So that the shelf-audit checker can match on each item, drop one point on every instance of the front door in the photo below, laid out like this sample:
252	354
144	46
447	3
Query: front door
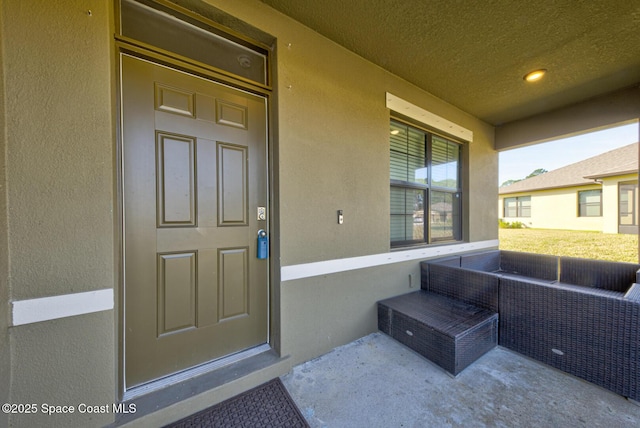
628	207
195	177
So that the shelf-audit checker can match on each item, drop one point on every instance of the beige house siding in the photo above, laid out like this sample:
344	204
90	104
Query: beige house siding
558	208
610	211
555	209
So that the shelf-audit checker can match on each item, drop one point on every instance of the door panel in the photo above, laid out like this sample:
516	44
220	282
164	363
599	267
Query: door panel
176	292
194	166
175	175
232	185
232	283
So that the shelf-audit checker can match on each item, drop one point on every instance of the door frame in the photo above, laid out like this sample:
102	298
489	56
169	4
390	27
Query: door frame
161	57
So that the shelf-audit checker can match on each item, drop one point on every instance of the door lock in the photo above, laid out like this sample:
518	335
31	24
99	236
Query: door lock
262	213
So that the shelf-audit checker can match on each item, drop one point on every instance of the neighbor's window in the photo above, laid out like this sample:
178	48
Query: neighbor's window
590	203
425	187
517	207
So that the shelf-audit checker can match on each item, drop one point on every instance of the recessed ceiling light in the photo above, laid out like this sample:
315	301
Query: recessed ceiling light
395	132
536	75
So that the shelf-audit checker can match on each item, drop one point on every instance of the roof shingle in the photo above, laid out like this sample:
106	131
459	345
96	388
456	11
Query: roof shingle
623	160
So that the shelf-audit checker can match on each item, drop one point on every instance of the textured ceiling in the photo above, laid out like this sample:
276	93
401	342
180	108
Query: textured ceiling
474	54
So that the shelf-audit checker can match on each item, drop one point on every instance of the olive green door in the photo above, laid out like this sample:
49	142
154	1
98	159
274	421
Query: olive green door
194	177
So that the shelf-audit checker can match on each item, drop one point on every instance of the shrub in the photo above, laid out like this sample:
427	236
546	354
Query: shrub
513	225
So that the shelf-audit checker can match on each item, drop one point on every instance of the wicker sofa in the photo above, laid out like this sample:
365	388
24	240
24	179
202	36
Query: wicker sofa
578	315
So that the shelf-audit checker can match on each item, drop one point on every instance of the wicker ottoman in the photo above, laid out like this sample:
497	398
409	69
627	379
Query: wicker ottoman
448	332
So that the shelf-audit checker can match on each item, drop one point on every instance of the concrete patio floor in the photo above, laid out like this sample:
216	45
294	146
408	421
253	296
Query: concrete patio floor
377	382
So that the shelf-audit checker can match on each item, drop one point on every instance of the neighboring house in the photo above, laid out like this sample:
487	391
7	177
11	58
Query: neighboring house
145	145
599	193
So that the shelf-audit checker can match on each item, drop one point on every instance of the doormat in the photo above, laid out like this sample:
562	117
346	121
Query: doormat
268	405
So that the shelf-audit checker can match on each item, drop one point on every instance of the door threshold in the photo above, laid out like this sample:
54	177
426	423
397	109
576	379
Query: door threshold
164	392
193	372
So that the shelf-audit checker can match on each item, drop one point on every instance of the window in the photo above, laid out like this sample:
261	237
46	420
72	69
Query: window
425	187
160	25
517	207
590	203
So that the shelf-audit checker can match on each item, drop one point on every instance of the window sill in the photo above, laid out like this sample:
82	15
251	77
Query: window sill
421	245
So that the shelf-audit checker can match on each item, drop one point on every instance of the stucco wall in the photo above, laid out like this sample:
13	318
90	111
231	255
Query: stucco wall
58	139
323	312
5	354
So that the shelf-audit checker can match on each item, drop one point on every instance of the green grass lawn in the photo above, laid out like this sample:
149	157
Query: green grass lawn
592	245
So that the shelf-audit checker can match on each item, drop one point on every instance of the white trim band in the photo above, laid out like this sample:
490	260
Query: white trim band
408	109
66	305
306	270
